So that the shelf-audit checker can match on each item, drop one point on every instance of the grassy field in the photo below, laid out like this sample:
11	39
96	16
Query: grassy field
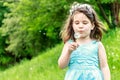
111	42
44	66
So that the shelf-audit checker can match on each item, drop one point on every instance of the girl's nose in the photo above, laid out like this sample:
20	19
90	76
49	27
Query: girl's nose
80	26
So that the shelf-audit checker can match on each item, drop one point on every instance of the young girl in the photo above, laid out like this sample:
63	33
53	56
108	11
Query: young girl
83	51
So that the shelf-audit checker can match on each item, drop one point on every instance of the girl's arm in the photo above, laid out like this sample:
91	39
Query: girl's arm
65	55
103	62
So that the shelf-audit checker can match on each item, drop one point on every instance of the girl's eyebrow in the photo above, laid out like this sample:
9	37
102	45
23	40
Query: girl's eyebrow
85	20
82	20
76	20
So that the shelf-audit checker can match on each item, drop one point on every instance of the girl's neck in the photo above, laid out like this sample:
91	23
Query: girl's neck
84	40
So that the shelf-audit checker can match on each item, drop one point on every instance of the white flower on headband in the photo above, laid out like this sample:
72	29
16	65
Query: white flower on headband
80	6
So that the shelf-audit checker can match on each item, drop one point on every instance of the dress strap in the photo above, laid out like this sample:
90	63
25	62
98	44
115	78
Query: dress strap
70	40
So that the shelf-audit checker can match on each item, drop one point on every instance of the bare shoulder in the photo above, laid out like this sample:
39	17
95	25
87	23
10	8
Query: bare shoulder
100	44
66	44
101	48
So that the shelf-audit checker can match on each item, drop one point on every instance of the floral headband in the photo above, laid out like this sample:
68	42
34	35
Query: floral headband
76	6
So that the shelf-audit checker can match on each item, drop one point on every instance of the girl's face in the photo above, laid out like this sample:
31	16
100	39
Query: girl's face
82	25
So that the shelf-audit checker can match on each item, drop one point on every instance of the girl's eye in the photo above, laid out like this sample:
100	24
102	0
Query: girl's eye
76	23
85	22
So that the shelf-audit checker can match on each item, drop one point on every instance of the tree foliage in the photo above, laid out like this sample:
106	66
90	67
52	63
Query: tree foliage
4	58
32	26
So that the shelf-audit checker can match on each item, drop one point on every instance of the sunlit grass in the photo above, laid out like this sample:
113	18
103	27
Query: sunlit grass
111	42
44	67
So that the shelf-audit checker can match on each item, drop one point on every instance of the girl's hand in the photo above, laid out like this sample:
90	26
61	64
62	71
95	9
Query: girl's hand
72	46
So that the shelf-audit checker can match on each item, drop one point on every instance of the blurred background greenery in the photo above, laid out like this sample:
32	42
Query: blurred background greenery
30	41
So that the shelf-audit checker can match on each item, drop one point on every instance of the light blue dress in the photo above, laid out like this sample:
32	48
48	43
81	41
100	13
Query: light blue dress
84	63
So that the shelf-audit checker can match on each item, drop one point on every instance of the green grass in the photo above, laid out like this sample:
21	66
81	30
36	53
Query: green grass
45	67
111	42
